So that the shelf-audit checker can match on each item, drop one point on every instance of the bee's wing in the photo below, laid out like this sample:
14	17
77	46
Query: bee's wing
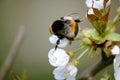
75	16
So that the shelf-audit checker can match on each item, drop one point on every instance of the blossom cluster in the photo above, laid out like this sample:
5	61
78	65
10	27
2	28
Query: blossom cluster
59	58
100	36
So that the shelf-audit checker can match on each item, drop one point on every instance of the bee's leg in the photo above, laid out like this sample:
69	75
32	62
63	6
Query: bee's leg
58	41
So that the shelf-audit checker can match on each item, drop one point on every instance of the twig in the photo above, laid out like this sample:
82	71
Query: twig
12	54
93	70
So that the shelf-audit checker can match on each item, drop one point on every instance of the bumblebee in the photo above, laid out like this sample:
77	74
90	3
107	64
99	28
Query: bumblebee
65	27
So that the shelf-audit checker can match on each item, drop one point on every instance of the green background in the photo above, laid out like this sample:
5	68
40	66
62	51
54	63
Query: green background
36	16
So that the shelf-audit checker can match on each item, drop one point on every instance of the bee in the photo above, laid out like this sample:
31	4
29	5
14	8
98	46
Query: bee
66	27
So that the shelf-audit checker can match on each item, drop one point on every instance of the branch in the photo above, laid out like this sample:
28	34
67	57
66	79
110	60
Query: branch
12	54
93	70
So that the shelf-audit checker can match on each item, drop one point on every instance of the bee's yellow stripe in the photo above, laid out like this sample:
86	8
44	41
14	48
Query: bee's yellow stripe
73	25
50	29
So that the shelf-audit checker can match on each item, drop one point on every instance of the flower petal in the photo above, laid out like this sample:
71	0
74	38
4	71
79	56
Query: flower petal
90	11
58	57
53	39
89	3
117	67
63	42
71	78
95	3
72	69
67	72
99	4
115	50
58	73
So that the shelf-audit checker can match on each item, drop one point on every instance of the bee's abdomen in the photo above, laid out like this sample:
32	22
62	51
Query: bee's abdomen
56	27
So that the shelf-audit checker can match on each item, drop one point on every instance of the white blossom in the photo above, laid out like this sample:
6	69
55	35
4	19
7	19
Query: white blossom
58	57
99	4
116	63
117	67
63	42
90	11
68	72
115	50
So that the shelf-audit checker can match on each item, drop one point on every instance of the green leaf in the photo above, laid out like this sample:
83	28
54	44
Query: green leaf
90	33
113	36
93	35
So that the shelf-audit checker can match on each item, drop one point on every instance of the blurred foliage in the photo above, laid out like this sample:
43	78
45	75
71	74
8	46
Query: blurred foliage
106	76
23	77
